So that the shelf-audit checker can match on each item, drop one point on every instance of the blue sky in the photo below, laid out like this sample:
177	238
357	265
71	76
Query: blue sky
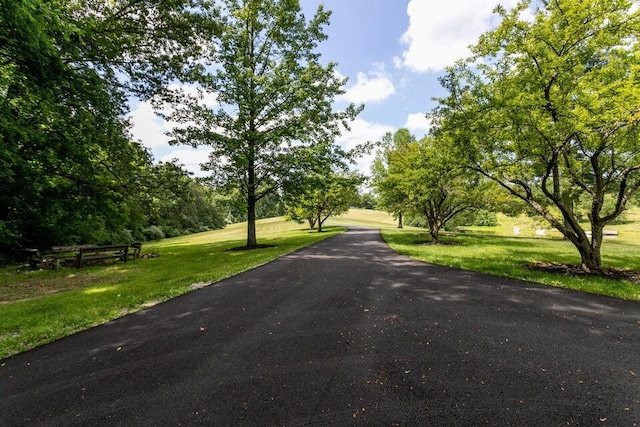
392	52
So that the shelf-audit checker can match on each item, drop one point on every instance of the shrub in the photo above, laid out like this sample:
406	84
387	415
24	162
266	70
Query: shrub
153	233
486	218
122	237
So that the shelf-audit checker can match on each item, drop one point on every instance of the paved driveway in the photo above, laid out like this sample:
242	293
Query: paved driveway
345	332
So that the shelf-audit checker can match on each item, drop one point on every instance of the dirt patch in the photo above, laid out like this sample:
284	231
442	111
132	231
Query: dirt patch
244	248
39	283
576	270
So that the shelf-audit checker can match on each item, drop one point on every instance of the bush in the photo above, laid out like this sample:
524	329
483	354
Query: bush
122	237
486	218
153	233
172	231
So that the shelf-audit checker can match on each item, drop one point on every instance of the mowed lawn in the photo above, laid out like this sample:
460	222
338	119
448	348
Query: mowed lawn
37	307
495	250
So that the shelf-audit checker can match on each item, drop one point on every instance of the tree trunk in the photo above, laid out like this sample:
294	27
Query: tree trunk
434	230
590	251
568	201
319	223
590	259
435	234
312	222
399	219
252	240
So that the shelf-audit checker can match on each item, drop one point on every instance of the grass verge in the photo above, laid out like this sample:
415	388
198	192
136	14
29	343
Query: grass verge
37	307
508	257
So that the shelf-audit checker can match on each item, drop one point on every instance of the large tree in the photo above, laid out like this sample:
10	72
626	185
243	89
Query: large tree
549	108
272	115
429	179
67	166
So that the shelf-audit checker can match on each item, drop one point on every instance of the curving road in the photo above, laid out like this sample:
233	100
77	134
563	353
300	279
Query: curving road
345	332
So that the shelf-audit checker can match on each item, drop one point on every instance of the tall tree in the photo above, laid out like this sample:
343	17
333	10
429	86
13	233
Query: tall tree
272	113
433	182
66	162
549	108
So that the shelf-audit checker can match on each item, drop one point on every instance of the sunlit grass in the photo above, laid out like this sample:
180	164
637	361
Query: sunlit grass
495	250
509	256
41	306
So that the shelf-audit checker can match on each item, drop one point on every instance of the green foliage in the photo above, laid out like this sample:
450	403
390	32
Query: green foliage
272	116
485	218
153	233
386	180
178	204
68	170
365	201
548	109
426	178
323	195
509	256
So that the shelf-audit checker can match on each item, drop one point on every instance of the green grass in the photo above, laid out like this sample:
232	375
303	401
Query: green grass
496	251
364	218
508	256
37	307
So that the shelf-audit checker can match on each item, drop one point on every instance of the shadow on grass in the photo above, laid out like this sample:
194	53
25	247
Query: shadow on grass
249	248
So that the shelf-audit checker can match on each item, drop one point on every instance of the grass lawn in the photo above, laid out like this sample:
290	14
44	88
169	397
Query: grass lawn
496	251
508	256
37	307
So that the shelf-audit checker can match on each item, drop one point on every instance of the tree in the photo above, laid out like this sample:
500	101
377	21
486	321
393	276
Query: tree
67	165
436	184
272	113
386	175
177	203
324	196
550	110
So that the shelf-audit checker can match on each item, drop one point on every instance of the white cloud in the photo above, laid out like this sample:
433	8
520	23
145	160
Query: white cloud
374	86
439	33
191	158
418	122
148	128
361	132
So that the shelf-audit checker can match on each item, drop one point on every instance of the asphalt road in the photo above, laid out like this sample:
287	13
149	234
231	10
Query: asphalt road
345	332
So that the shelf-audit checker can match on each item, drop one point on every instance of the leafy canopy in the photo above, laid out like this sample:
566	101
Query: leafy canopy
549	108
269	116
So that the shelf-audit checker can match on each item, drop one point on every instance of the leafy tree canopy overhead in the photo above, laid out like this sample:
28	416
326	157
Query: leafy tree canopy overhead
66	162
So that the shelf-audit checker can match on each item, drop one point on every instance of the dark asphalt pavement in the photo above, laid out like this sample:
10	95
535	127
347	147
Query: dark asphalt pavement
345	332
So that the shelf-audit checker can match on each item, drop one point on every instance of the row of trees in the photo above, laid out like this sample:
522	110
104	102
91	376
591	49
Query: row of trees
69	170
547	109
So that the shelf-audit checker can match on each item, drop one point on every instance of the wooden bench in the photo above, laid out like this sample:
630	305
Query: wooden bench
80	255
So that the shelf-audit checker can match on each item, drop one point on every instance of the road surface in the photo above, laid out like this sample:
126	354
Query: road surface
344	332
